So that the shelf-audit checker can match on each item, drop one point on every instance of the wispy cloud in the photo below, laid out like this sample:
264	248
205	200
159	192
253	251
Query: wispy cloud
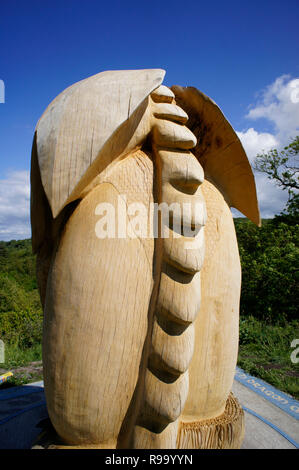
15	206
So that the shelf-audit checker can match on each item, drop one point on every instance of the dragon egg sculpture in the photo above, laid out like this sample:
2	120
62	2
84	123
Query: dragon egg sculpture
140	335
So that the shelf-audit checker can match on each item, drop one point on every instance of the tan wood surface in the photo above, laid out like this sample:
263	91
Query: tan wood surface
140	333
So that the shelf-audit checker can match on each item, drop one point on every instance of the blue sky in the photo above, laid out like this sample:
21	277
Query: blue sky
243	55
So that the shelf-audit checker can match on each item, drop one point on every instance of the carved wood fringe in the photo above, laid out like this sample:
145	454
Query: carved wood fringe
223	432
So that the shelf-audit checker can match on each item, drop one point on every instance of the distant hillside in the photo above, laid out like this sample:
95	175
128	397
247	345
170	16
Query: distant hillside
20	308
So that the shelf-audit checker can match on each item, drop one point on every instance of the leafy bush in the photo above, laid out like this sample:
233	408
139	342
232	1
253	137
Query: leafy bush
18	262
20	308
270	270
249	330
23	328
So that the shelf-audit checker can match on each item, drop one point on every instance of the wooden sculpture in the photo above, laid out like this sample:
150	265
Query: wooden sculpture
140	332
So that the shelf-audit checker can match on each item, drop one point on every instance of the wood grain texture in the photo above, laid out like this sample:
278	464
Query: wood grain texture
217	325
225	431
76	135
220	151
140	333
95	318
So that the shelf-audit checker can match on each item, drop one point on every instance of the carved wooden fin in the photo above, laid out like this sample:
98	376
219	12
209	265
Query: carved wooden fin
74	135
219	151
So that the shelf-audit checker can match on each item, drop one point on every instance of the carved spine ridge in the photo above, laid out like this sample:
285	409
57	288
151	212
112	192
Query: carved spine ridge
172	340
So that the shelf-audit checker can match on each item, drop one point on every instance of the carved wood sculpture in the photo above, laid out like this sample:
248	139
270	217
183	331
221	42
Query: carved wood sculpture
140	333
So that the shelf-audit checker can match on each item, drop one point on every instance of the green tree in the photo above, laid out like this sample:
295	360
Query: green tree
283	168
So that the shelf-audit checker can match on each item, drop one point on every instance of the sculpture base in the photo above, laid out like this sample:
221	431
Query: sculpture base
223	432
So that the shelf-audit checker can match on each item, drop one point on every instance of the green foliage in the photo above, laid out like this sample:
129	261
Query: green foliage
14	297
18	357
249	330
26	364
283	168
290	215
20	308
23	328
18	262
268	336
265	350
270	270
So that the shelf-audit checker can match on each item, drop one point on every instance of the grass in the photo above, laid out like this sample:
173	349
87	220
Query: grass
25	364
17	357
265	350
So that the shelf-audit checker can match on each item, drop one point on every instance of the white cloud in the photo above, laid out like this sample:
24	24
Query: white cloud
272	199
255	142
15	206
279	104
